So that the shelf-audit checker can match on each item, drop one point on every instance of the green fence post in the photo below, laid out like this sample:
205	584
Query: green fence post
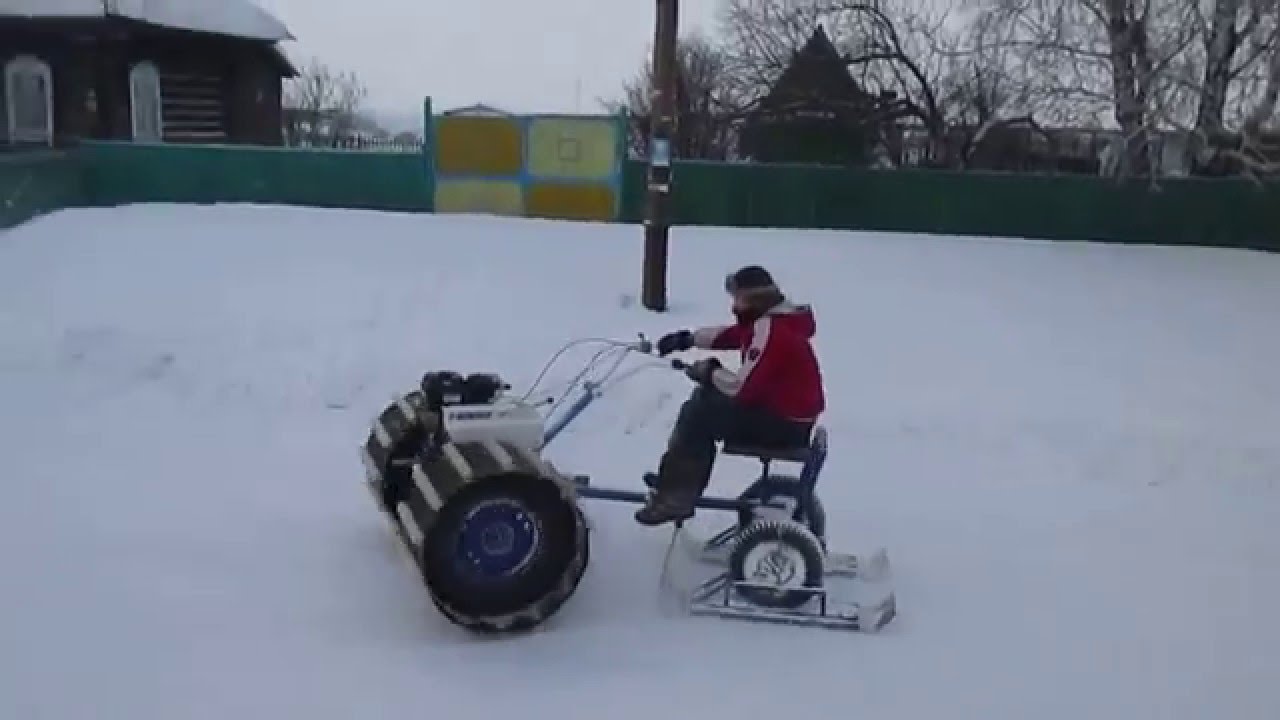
428	153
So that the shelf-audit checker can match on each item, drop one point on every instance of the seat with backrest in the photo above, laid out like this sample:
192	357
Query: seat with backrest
788	447
812	455
766	453
768	488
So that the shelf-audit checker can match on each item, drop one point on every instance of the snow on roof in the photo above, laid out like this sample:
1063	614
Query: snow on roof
241	18
51	8
289	53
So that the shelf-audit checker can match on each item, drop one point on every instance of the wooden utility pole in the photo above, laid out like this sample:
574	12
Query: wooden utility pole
662	124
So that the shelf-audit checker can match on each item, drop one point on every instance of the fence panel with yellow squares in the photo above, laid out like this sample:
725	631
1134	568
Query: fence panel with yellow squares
550	166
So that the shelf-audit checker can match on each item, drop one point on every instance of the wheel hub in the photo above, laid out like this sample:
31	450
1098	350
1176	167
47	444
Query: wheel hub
777	564
775	567
497	539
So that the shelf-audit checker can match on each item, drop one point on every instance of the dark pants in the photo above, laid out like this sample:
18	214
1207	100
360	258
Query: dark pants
709	415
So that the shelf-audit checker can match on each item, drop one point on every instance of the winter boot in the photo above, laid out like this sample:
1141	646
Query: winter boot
679	483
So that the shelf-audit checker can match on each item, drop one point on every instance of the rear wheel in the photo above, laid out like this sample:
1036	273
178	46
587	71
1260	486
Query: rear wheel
781	554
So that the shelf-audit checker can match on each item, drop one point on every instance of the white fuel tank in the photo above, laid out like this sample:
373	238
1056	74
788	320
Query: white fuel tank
514	423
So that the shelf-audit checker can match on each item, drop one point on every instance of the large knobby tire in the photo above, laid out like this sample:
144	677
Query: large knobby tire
505	553
781	553
494	529
398	434
817	521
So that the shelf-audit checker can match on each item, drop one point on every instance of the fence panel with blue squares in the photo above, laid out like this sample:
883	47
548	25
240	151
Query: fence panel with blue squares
551	166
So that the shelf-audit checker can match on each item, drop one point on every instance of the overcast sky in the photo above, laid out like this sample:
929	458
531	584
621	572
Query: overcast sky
519	55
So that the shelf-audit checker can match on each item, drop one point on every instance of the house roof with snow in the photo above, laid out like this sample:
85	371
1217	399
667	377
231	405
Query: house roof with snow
237	18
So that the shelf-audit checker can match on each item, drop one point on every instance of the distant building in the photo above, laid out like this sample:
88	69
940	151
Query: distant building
477	110
184	71
817	113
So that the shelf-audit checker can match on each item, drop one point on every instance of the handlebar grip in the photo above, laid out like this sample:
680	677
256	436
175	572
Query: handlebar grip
679	364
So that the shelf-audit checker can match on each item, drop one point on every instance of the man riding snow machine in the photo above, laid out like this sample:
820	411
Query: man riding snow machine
495	529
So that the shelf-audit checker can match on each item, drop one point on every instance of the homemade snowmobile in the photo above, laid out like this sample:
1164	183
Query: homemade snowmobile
497	534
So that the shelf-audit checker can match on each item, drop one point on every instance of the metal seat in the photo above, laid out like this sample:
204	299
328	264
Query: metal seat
784	454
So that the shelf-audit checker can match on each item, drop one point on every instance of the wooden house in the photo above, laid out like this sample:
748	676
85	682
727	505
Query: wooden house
816	112
184	71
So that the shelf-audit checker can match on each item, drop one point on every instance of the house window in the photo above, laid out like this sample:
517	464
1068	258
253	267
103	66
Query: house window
144	99
28	86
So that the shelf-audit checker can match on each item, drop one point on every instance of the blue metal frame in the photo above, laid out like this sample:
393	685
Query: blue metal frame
590	391
762	488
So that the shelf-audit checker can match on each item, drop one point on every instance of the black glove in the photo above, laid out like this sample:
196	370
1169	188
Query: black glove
674	342
700	371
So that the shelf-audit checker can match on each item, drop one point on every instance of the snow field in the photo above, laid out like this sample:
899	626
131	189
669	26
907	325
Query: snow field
1069	451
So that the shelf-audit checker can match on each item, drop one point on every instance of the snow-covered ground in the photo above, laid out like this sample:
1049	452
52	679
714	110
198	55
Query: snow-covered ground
1069	450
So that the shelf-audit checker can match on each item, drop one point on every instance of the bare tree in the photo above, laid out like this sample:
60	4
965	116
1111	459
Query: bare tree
986	88
322	106
1151	70
707	103
760	36
1232	42
1117	57
928	64
890	50
905	54
1257	88
1215	81
1265	88
1222	35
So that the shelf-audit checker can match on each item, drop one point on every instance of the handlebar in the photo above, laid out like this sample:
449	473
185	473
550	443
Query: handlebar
645	346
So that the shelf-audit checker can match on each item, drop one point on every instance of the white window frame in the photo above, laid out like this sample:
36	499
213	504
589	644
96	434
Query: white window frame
28	65
147	68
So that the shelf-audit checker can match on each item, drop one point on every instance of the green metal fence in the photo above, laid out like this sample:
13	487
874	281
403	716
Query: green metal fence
126	173
1234	213
38	182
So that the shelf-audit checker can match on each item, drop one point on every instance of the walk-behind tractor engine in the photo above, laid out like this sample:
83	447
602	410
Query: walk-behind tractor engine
497	535
494	529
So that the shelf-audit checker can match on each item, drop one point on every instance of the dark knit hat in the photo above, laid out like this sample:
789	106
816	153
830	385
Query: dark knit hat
751	279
